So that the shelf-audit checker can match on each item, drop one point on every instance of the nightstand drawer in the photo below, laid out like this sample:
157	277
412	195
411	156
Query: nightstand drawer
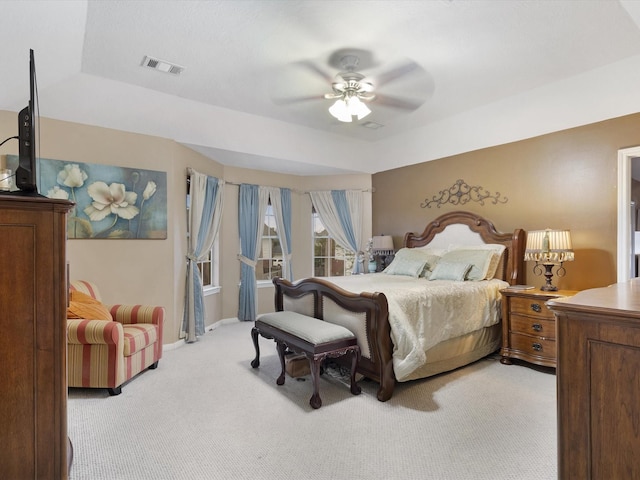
533	345
533	326
531	306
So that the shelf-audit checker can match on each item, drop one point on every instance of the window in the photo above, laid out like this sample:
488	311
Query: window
205	270
270	259
329	258
209	268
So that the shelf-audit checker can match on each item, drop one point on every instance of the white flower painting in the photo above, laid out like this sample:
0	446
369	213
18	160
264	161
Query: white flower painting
111	202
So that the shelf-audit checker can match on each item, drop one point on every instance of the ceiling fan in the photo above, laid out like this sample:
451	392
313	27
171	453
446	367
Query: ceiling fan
352	91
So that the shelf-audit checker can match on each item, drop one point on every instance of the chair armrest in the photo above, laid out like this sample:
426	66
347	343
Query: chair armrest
128	314
90	332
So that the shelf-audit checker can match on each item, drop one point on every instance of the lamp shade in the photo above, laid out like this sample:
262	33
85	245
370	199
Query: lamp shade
549	246
382	243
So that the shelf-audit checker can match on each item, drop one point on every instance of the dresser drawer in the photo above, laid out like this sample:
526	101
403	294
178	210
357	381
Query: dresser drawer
542	327
531	306
533	345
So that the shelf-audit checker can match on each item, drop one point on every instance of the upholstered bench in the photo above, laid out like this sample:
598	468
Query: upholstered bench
315	338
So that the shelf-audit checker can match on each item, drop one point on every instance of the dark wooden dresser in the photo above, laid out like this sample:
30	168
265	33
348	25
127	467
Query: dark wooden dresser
598	375
33	368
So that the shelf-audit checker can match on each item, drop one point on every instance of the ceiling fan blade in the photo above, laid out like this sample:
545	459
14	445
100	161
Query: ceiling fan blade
312	67
397	102
395	73
301	99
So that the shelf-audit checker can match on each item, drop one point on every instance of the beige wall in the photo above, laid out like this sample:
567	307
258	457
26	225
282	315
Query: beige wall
566	180
152	271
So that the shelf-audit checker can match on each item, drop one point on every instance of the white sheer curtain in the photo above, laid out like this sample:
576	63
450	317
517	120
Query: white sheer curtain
355	202
203	223
341	213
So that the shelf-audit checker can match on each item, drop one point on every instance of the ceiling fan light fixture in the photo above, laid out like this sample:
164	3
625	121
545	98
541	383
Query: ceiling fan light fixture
340	111
357	107
347	107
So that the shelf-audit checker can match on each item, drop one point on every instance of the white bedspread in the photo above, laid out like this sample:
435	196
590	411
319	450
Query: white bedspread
423	313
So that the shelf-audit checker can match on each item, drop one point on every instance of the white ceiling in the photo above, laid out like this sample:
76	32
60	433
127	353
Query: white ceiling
479	72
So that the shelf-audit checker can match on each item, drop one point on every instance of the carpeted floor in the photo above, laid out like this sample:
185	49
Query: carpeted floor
206	414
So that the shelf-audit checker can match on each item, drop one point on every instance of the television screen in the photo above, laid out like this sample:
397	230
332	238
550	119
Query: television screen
27	139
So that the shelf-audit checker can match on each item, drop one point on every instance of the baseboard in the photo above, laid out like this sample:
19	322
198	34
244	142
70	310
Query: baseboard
207	329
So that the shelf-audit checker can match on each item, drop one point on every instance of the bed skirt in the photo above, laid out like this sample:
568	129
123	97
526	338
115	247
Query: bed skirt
459	351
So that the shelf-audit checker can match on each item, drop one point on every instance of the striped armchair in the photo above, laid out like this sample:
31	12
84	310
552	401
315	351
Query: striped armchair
105	354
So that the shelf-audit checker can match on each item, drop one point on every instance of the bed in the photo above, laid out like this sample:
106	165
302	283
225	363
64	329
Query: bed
414	322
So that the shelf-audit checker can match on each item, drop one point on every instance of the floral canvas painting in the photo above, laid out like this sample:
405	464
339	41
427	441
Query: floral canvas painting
111	202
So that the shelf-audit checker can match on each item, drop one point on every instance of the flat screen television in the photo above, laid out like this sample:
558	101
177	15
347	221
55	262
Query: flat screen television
28	119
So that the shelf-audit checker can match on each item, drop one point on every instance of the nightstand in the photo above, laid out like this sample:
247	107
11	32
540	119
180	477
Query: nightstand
528	326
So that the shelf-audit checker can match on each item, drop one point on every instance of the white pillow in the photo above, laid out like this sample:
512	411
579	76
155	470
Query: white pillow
406	263
412	262
432	250
498	250
479	259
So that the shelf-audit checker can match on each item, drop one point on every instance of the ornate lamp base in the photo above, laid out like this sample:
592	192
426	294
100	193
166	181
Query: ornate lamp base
548	274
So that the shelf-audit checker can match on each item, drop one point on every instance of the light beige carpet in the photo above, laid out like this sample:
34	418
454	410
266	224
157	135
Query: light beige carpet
206	414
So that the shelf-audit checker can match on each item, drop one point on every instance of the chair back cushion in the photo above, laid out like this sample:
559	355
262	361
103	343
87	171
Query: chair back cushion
87	287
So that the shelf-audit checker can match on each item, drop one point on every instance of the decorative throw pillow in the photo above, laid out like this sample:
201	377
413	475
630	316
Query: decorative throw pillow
479	260
496	259
450	271
432	261
86	307
410	261
78	296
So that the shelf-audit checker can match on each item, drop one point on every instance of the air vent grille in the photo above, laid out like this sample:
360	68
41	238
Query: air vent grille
162	65
372	125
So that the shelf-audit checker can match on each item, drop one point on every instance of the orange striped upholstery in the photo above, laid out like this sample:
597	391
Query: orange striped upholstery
105	354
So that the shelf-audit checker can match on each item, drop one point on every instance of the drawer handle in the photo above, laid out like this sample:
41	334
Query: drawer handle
537	327
537	347
536	307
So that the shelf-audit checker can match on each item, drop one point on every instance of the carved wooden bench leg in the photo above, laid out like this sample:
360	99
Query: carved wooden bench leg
281	347
355	358
255	363
314	363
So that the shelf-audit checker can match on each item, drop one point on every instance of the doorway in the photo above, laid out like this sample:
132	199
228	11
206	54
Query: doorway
626	214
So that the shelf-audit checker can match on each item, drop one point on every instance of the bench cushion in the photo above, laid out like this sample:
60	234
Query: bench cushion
311	329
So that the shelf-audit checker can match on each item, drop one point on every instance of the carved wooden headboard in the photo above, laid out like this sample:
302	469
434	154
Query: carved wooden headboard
470	229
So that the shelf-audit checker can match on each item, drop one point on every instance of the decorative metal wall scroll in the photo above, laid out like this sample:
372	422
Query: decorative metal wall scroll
460	193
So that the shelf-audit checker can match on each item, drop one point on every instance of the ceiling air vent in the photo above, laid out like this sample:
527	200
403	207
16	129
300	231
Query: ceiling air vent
162	65
372	125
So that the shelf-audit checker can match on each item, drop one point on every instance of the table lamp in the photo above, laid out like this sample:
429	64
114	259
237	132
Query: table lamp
549	248
383	251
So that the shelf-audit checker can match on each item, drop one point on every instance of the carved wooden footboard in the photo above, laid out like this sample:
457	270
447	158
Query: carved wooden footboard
364	313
